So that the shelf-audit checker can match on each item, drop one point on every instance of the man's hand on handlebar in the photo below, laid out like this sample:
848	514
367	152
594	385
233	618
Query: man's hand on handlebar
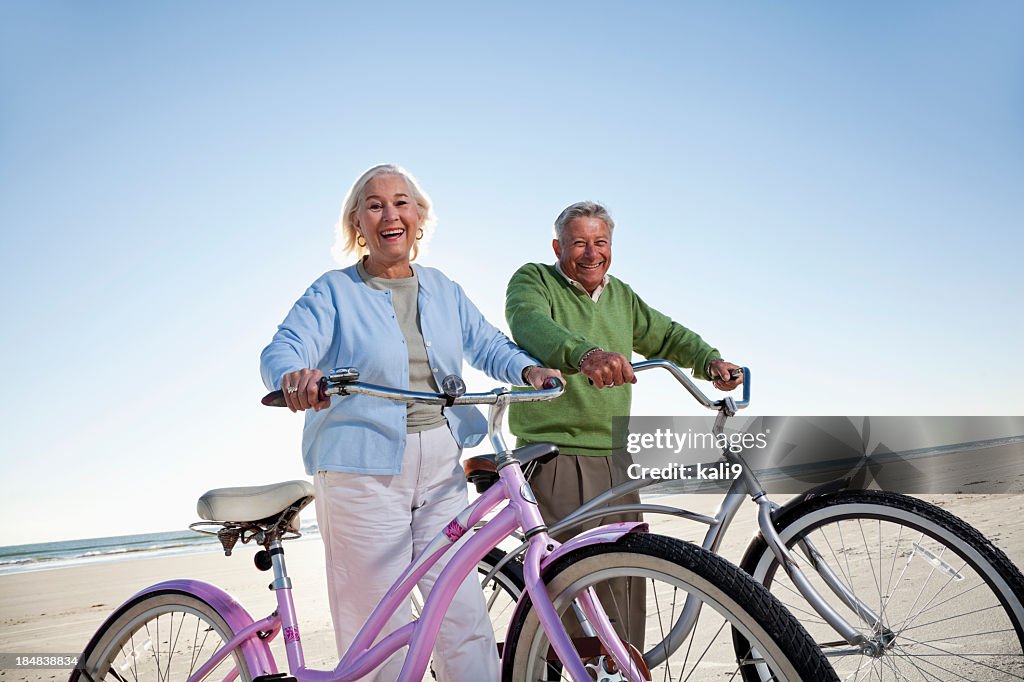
606	369
724	375
302	390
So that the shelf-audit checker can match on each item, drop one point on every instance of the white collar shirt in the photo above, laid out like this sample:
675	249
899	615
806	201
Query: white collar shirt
597	292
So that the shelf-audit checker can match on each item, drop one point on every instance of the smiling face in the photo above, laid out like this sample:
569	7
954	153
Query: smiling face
388	219
585	251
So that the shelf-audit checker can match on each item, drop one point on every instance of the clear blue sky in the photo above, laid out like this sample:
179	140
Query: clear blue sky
831	194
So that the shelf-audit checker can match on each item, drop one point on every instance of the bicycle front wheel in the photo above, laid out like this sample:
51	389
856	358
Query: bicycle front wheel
661	573
942	602
160	637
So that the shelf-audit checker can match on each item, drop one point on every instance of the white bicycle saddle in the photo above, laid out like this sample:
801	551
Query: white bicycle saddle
252	503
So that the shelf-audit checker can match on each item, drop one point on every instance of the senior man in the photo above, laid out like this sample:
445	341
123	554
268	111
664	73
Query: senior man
574	317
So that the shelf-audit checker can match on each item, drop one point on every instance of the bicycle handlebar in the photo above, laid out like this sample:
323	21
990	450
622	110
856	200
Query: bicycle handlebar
688	384
341	382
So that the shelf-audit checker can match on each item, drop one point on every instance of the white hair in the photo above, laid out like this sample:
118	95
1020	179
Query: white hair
346	240
582	209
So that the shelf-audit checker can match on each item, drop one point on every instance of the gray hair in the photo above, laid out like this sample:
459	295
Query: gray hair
346	241
582	209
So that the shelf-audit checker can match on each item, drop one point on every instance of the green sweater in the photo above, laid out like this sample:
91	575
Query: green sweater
557	323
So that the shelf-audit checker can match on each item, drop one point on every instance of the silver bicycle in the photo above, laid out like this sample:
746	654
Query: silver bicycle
891	587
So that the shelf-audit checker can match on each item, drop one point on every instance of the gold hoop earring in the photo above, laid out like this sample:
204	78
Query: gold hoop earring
420	235
361	241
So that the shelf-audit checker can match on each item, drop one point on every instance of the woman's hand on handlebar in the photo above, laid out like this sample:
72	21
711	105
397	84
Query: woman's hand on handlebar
538	376
724	375
302	390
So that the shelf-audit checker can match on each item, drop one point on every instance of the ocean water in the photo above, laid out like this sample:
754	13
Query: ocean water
47	555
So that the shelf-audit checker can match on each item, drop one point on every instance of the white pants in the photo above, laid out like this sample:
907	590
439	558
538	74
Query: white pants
373	526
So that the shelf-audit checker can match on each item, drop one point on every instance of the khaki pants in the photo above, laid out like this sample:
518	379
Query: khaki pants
566	482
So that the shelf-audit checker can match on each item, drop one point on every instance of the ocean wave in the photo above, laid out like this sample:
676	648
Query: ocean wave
19	558
147	548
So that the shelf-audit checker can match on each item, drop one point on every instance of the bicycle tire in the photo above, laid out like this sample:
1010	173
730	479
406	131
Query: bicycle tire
159	637
949	600
670	570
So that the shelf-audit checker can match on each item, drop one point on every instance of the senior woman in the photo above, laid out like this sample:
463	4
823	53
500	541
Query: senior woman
386	474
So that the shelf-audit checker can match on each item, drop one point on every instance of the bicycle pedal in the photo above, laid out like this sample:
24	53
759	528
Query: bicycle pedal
276	677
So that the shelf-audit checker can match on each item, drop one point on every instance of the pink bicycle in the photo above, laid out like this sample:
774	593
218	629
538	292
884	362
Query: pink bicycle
187	630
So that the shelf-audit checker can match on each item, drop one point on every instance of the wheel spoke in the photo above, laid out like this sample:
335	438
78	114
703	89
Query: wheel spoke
163	637
946	599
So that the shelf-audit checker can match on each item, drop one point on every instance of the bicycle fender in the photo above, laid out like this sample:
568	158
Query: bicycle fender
607	533
256	651
826	488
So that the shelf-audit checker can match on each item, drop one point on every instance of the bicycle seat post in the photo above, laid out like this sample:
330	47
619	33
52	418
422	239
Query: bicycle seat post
276	551
271	540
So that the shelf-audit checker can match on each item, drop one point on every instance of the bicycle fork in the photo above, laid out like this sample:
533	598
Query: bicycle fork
594	618
792	568
789	564
540	548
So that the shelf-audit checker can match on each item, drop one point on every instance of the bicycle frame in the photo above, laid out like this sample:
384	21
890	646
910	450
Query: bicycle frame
251	638
747	485
718	524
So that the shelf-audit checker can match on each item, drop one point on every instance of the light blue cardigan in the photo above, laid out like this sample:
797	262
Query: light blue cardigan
341	322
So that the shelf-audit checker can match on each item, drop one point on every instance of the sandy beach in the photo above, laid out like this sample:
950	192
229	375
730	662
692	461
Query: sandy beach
56	611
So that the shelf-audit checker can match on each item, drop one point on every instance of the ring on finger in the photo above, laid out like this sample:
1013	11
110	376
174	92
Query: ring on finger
293	389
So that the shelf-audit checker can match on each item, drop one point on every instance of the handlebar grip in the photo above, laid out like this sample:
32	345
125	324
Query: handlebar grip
551	382
276	398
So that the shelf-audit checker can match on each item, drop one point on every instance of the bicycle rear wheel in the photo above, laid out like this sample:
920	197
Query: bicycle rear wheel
663	572
948	601
160	637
